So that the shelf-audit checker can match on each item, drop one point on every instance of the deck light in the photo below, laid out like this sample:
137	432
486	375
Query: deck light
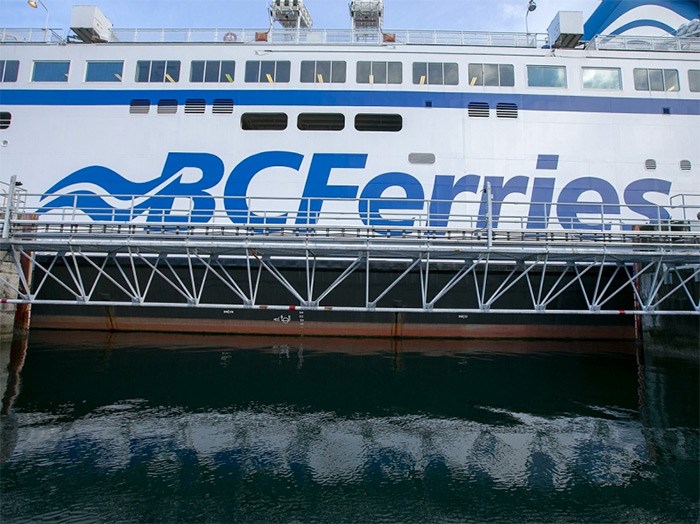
531	6
35	4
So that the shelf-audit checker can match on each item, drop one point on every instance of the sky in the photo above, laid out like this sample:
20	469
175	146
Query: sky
460	15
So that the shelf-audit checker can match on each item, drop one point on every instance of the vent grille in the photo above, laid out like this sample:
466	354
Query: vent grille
167	107
140	107
222	106
478	109
507	110
5	120
686	165
195	106
650	164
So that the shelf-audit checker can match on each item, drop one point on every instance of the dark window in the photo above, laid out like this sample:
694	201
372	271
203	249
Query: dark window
379	73
212	71
51	71
693	80
140	107
156	71
267	71
9	70
222	106
104	71
502	75
378	122
264	121
656	80
323	71
5	120
321	122
435	73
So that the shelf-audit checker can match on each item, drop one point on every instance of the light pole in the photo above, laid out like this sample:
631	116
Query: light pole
36	3
531	6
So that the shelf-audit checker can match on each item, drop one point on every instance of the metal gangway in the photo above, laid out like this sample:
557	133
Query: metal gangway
134	251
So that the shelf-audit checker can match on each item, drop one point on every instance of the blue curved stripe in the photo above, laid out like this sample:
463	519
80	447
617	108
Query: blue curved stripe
644	23
387	99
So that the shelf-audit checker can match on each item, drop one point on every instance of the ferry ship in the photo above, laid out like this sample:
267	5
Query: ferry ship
590	128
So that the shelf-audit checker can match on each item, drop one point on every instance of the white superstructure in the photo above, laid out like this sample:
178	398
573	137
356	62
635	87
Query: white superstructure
390	127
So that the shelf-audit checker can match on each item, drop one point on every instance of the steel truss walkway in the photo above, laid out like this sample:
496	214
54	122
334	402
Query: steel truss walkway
450	269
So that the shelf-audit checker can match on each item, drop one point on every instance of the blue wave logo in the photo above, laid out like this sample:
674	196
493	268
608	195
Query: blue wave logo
105	195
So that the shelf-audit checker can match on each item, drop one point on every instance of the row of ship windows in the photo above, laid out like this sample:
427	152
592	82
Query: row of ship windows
424	73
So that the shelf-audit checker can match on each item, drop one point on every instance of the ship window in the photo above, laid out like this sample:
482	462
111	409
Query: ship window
264	121
323	71
693	80
546	76
321	122
9	70
140	106
601	78
222	106
502	75
104	71
50	71
195	106
212	71
5	120
656	80
379	73
435	73
478	109
421	158
167	107
156	71
267	71
378	122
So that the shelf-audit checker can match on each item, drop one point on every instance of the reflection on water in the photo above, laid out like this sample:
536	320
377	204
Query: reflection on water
139	428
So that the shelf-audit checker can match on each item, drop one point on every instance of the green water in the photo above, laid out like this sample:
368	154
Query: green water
146	429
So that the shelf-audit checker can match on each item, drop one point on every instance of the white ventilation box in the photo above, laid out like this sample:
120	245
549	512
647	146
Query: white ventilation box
90	24
566	29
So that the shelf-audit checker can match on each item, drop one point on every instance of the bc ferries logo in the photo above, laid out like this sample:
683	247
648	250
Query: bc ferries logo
105	195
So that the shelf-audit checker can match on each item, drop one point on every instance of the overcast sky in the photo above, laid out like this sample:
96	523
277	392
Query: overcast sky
464	15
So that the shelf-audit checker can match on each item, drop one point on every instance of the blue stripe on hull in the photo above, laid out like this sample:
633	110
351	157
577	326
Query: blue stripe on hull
587	104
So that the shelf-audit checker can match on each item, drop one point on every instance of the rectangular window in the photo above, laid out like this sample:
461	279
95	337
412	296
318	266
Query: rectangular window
433	73
9	70
546	76
267	71
50	71
321	122
656	80
694	80
158	71
378	122
601	78
379	73
221	71
498	75
264	121
104	71
323	71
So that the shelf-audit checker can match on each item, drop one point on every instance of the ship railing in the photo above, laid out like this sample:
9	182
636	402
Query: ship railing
644	43
29	36
328	37
486	221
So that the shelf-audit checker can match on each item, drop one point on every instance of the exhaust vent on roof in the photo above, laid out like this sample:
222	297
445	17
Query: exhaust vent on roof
167	107
650	164
140	107
194	106
222	106
686	165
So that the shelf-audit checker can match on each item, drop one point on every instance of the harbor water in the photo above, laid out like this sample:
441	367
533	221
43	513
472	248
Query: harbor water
151	428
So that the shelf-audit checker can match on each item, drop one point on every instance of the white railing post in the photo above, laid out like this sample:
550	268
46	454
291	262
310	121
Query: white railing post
489	216
8	207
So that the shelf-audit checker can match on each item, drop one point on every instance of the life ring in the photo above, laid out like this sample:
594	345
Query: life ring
230	37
